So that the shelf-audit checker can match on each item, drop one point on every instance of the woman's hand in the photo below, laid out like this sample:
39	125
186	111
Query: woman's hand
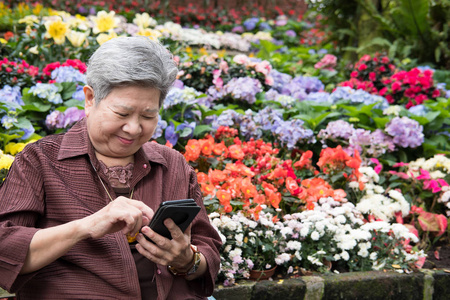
176	252
49	244
122	214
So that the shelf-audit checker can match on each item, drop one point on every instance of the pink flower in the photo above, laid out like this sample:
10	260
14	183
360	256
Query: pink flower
378	166
223	66
240	59
400	164
263	67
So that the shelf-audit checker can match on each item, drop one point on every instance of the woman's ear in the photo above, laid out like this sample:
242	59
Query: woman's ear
89	99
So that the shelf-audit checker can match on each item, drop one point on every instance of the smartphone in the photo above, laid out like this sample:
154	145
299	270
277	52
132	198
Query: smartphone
182	212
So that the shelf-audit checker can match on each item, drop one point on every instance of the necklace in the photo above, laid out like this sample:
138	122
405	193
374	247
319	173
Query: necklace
130	238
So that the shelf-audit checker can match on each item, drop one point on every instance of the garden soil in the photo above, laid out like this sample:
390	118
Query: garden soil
439	259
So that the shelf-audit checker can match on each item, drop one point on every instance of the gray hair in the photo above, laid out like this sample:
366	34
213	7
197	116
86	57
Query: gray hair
131	61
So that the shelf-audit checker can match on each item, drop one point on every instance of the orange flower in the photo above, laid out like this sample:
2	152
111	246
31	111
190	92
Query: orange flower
220	149
224	197
236	152
207	145
202	177
260	199
207	189
192	150
169	144
305	161
274	198
249	190
217	176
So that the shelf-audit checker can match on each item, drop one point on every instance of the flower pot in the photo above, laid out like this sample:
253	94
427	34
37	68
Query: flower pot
262	274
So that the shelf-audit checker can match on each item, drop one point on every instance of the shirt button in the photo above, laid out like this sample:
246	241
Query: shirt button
158	271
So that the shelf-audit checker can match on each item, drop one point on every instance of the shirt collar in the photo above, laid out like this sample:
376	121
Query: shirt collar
76	142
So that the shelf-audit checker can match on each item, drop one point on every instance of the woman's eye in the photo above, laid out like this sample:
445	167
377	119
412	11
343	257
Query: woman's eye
122	115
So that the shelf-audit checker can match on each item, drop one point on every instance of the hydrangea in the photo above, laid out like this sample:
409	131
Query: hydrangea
47	91
177	96
418	110
405	132
358	96
319	97
285	101
289	133
227	118
248	127
373	143
301	86
243	88
8	121
279	79
58	120
250	24
337	130
68	74
162	124
78	94
12	95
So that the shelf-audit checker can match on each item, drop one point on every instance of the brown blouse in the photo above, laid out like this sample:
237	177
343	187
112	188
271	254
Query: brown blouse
52	182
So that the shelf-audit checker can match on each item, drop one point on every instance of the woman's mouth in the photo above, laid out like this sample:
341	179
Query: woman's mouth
125	141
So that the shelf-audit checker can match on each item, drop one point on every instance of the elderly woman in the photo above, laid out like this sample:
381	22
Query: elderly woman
72	203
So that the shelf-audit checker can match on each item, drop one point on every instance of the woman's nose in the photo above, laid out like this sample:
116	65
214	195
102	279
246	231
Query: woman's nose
132	126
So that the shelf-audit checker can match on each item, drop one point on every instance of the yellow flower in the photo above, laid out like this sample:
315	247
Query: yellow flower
3	41
103	37
104	21
222	53
152	34
203	51
76	38
14	148
144	20
57	30
5	161
28	30
29	20
37	9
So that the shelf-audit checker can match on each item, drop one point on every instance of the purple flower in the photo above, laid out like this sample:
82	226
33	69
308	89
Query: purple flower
226	118
405	132
263	26
279	79
250	24
170	134
162	124
290	33
319	97
337	130
238	29
418	110
178	84
186	130
243	88
73	115
78	94
54	120
301	86
68	74
27	132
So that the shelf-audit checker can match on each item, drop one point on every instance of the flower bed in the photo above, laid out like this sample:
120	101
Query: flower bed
304	163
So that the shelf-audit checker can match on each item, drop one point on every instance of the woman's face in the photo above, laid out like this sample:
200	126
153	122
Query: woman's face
122	122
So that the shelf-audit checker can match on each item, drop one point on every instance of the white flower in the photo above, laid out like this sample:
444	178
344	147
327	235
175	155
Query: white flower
345	256
239	239
373	256
282	258
293	245
315	236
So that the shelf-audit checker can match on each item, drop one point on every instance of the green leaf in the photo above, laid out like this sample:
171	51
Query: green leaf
74	103
201	129
37	106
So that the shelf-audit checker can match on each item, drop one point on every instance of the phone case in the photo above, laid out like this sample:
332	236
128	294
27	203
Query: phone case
182	212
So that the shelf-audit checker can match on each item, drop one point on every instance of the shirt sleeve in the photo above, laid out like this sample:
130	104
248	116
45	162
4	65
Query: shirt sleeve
206	238
21	199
